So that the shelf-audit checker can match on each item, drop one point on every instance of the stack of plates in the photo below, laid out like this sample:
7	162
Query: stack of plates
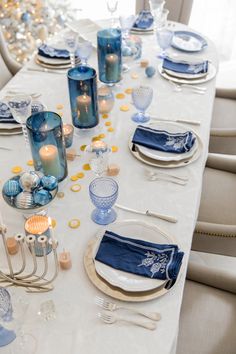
137	30
119	284
166	159
53	57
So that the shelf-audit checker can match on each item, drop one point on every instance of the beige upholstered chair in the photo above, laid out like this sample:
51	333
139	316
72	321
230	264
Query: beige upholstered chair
8	66
180	10
215	230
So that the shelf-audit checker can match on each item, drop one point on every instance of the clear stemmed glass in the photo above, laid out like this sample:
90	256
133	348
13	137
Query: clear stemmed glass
84	51
20	107
142	98
98	156
71	41
103	192
112	7
164	39
6	335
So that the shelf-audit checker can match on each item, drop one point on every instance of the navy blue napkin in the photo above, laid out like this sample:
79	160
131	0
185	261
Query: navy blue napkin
159	261
184	67
144	20
163	141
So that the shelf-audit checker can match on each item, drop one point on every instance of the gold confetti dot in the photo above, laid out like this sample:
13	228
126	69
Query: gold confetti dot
75	188
110	130
105	116
107	124
114	148
128	91
120	96
59	106
16	169
80	175
74	178
101	136
134	76
54	222
124	108
83	147
86	167
60	194
74	223
30	163
95	138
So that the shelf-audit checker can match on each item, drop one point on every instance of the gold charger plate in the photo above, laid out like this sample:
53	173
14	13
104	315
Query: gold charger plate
53	67
113	291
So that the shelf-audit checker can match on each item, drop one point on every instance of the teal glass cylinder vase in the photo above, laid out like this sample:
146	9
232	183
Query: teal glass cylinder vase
45	131
109	55
82	81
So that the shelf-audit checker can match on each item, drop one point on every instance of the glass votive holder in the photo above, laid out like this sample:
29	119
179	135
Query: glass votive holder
109	55
68	131
105	99
82	82
98	155
47	144
38	225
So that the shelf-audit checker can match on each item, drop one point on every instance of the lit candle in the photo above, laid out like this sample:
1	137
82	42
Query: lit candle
50	228
84	108
112	67
105	100
68	131
50	160
38	225
65	260
12	245
99	146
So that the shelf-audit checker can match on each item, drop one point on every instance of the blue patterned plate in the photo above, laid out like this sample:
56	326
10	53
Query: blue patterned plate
144	21
6	116
187	41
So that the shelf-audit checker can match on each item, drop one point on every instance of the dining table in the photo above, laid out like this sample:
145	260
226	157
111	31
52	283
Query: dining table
75	326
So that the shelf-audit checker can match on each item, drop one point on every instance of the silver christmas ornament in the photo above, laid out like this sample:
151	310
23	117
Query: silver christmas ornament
24	200
29	181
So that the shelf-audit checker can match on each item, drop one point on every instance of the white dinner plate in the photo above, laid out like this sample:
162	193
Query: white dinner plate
188	41
184	75
168	156
52	61
53	67
137	230
210	75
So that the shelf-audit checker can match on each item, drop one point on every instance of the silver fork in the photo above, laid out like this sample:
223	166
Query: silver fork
196	89
110	318
150	173
107	305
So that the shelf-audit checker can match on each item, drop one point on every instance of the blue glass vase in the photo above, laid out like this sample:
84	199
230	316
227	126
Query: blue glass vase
47	144
82	82
109	55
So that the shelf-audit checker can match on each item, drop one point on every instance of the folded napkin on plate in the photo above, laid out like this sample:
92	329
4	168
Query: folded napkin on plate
185	67
163	141
144	20
159	261
49	52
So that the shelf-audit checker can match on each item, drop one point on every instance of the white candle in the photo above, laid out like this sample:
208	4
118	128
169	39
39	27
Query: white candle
112	67
50	160
105	100
84	108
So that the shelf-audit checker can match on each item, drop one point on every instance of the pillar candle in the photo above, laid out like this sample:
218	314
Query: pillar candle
112	67
12	245
50	160
65	260
84	108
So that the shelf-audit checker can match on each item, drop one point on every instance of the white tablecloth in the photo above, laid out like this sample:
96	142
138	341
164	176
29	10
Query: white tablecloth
77	328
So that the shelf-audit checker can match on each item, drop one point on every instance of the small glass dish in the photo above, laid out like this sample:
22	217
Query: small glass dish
28	206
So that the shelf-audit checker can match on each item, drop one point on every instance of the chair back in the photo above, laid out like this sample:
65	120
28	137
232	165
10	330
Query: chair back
12	66
5	74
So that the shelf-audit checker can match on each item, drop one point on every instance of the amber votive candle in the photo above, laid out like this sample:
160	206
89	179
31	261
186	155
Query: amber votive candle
12	245
65	260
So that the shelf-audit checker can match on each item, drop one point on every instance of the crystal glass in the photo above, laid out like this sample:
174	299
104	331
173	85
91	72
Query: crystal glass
84	51
112	7
156	7
47	144
98	155
6	335
142	98
162	20
109	55
164	39
71	41
126	23
106	99
103	192
20	107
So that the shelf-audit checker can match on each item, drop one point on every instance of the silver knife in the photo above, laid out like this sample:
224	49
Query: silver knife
193	122
44	70
148	213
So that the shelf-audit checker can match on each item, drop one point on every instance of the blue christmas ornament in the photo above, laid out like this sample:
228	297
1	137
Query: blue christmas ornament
126	51
49	182
26	17
11	188
150	71
42	197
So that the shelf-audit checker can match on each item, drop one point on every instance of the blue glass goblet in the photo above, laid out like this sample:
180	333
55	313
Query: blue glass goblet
6	336
164	39
103	192
142	98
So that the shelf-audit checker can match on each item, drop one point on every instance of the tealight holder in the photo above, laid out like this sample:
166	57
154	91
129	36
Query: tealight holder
38	225
47	144
106	99
98	155
82	81
68	131
109	55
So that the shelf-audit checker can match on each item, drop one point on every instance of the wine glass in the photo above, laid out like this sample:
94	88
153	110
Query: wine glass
84	51
20	107
103	192
142	98
6	335
164	39
71	41
112	7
